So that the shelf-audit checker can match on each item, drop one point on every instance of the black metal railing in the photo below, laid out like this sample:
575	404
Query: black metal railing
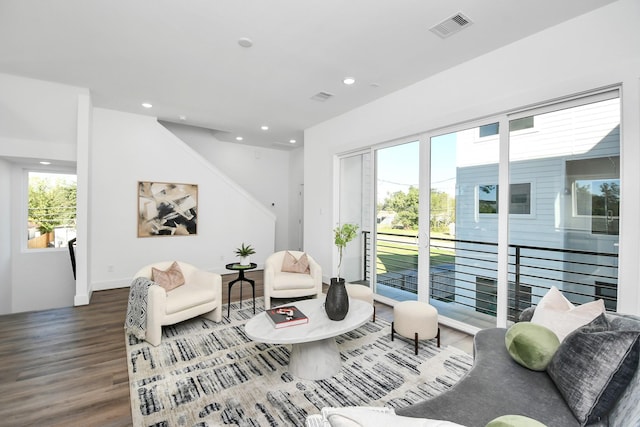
464	272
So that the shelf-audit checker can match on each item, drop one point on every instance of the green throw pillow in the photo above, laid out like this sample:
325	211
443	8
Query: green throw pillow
531	345
514	421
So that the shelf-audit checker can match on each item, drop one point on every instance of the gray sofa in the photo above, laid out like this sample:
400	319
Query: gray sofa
497	385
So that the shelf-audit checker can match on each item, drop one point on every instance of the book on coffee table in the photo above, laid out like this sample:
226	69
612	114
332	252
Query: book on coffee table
282	317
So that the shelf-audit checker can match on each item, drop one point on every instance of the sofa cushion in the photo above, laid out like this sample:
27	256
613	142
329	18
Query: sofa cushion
292	265
531	345
557	313
496	386
170	278
514	421
593	367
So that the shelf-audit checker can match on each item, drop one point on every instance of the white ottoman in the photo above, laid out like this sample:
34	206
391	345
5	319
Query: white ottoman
415	320
361	292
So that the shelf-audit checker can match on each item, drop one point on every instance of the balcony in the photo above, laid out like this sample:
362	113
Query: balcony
463	275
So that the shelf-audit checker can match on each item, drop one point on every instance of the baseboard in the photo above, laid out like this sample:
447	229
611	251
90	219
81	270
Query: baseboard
82	299
111	284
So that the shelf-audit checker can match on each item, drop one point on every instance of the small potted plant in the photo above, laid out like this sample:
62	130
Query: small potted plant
244	252
337	301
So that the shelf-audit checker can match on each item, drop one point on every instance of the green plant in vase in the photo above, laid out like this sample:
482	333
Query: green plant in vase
337	301
342	235
244	252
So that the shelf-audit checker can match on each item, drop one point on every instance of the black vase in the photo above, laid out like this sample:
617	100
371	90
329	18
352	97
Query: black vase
337	303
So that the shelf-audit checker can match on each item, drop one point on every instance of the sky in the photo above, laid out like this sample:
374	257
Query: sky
67	178
398	166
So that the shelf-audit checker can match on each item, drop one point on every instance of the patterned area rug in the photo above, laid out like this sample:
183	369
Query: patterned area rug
210	374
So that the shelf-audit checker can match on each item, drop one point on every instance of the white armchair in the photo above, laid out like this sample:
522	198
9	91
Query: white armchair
280	284
201	294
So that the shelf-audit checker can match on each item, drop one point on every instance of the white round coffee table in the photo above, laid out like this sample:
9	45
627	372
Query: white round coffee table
314	352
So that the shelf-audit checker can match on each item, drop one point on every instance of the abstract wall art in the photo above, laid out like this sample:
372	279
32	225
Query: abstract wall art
167	209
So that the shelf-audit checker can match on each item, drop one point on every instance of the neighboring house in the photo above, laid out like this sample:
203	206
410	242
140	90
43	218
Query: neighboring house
386	218
564	195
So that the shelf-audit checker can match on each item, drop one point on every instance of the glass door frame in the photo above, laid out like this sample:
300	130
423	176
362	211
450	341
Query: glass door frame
422	292
338	208
503	191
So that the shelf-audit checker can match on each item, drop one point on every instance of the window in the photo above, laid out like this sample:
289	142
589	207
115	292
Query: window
599	199
488	130
486	295
595	193
519	195
52	210
488	199
521	124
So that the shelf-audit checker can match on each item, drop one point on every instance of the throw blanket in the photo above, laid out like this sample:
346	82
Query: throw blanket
136	321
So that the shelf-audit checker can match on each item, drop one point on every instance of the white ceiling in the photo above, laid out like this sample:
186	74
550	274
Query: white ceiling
183	56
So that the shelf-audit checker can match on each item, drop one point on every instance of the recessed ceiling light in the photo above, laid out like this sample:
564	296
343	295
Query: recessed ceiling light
245	42
45	163
182	118
348	80
146	105
292	141
264	127
239	138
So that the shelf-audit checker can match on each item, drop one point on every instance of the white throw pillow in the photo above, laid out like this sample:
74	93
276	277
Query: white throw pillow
556	312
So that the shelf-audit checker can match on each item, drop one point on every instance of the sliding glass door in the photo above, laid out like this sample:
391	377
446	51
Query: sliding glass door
517	203
559	210
356	208
397	214
463	227
564	202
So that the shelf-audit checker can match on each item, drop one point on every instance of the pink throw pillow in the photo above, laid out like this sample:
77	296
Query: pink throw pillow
170	278
292	265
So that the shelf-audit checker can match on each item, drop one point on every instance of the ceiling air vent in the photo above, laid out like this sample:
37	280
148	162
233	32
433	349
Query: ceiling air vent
322	96
451	25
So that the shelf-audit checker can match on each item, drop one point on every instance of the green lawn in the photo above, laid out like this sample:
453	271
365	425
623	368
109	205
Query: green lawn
405	257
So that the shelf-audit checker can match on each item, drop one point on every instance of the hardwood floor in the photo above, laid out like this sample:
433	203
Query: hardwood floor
68	367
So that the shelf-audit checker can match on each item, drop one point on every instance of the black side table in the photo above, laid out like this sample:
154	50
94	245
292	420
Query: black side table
241	269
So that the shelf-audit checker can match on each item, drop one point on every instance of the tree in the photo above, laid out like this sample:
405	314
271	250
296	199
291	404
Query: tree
443	210
405	205
52	203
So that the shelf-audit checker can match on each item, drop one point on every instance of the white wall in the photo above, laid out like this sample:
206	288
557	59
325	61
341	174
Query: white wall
43	120
40	278
594	50
37	121
37	118
264	173
127	148
5	238
296	199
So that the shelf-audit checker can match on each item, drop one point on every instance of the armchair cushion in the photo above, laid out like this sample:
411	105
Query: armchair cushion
284	284
185	297
170	278
293	281
292	265
201	294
